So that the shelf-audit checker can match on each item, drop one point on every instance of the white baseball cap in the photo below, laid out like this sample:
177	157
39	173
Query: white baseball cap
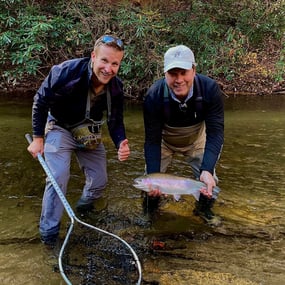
179	57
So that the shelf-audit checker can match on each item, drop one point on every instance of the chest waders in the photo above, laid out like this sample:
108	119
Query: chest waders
203	207
188	140
88	133
198	100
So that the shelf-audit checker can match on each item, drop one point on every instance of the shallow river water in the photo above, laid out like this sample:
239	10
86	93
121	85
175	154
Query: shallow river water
249	246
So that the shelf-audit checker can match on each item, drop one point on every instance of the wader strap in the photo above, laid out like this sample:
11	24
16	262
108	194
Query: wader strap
87	113
166	106
198	98
108	104
88	104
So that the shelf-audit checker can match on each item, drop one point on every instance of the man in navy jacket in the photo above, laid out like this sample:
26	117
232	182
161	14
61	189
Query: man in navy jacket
67	116
184	113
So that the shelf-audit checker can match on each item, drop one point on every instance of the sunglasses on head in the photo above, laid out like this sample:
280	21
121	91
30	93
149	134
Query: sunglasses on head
107	39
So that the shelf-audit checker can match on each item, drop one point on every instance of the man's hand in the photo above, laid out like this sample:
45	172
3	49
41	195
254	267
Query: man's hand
154	191
124	150
36	146
210	182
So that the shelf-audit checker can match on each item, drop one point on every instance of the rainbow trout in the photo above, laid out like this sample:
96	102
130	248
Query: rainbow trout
169	184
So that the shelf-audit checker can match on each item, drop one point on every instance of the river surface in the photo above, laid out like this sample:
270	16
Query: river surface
249	246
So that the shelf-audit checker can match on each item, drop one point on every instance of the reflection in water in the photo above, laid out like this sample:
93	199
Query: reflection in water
247	249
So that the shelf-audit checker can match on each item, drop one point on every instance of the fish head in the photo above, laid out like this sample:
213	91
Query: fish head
141	183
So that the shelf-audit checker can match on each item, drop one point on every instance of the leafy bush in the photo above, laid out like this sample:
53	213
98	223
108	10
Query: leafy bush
35	35
142	32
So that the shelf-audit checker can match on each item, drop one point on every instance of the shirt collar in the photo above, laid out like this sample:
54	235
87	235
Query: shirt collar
190	94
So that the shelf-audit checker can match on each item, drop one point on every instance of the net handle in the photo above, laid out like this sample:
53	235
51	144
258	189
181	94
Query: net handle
73	217
53	181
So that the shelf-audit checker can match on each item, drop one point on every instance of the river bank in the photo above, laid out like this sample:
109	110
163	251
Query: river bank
252	76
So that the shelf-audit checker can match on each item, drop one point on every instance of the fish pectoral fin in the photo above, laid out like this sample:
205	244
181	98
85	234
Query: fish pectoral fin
176	197
153	187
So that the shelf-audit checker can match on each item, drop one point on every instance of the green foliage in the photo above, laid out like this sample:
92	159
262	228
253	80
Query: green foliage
260	21
200	34
22	42
279	75
30	41
143	53
35	35
222	33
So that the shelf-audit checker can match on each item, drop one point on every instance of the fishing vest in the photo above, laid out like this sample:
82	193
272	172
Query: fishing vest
198	98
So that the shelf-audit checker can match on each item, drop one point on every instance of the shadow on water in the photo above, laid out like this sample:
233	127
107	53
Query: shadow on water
174	246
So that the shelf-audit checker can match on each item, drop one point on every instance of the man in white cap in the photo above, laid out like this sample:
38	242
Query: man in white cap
184	113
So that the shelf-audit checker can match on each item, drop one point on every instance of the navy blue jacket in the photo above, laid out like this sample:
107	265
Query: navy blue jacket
64	93
157	113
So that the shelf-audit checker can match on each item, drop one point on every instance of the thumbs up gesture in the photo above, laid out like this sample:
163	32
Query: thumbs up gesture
124	150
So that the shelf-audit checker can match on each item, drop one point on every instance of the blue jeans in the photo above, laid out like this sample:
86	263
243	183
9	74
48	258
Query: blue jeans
59	146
